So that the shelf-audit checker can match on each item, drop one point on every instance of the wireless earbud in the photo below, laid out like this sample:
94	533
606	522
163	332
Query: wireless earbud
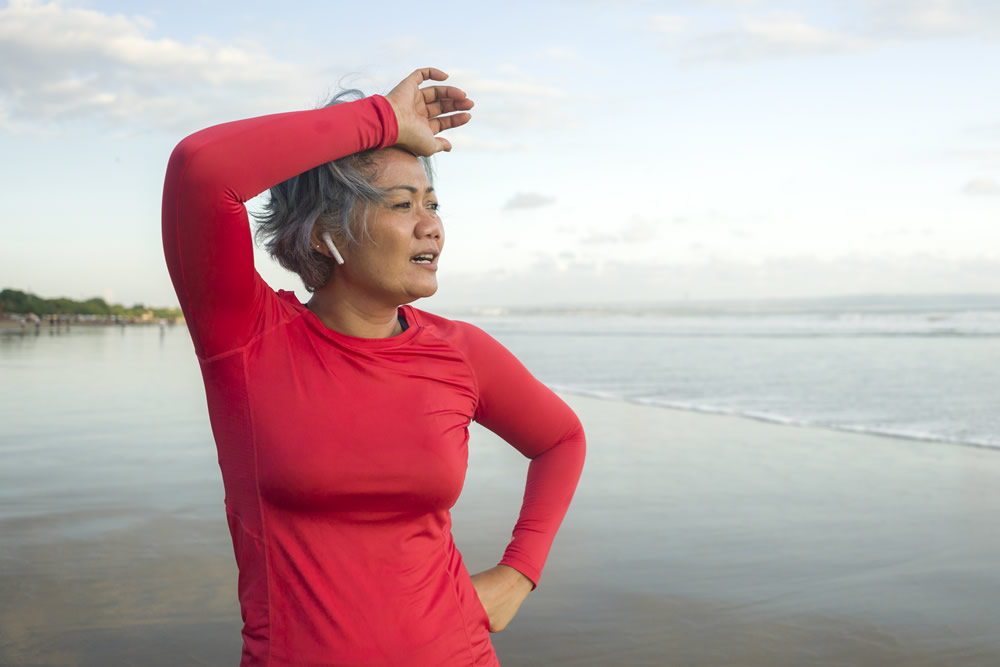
328	240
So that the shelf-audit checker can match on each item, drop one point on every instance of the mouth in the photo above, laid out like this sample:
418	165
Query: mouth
425	259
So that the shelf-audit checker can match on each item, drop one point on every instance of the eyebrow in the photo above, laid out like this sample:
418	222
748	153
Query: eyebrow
410	188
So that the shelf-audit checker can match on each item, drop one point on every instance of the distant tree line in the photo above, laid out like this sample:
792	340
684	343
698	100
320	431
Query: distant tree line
16	301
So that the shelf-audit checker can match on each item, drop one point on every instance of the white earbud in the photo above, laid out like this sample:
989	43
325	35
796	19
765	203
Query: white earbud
328	240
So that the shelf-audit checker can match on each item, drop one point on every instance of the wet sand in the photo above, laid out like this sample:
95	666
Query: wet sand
694	540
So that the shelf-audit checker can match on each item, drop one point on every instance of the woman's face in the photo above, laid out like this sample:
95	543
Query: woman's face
397	262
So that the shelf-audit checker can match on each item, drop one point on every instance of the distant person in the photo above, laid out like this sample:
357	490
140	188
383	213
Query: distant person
341	423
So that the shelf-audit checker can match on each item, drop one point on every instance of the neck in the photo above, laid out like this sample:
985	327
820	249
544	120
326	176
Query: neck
347	313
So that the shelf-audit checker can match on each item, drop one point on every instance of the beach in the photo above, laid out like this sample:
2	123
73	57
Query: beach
694	539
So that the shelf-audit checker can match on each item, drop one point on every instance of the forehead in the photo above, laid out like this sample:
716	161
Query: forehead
398	167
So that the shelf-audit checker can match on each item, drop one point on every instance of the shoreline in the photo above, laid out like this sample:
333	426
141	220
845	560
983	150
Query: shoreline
776	420
11	325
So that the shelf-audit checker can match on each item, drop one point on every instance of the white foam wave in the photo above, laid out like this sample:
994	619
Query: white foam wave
904	434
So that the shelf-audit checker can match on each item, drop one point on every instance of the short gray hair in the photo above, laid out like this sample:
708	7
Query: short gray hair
330	195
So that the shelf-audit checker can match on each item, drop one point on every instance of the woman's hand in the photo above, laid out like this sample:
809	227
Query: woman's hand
418	111
501	590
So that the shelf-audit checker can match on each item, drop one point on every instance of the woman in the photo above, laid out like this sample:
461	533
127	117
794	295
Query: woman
342	424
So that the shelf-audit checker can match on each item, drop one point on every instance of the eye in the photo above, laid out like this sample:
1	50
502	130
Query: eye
433	205
402	205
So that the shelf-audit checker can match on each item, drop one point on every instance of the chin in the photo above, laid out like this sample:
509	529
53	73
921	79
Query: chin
421	292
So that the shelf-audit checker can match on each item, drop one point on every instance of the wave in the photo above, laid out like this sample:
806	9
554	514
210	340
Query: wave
898	433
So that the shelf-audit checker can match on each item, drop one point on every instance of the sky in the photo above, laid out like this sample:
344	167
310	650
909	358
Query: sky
619	152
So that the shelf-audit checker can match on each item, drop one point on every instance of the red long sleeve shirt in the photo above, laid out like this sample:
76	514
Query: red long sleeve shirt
341	456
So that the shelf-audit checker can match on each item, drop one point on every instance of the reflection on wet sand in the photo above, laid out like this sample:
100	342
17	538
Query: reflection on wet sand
157	594
694	540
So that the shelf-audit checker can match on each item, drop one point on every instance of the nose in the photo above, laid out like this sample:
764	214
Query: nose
429	226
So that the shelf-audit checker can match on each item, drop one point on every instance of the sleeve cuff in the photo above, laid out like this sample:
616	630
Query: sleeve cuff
531	572
387	116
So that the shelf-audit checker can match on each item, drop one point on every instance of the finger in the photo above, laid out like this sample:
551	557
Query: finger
427	73
447	122
434	93
443	144
438	108
448	106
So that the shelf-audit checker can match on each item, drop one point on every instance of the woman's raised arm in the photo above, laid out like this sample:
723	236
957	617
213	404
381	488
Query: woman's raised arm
212	173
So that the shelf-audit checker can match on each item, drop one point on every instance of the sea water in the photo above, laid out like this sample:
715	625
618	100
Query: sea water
88	400
921	373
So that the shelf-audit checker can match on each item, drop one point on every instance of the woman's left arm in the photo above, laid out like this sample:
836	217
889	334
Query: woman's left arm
528	415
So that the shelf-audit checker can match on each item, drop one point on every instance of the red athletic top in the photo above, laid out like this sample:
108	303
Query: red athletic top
342	456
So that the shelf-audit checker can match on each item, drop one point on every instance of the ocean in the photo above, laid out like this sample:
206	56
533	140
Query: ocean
113	398
924	371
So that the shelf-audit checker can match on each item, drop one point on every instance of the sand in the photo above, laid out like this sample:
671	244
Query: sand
694	540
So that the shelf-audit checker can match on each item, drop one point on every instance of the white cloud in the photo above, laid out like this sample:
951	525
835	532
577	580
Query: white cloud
669	24
620	283
59	63
638	230
731	3
779	35
867	24
476	84
599	238
523	200
557	52
473	143
935	18
792	31
514	104
982	187
977	154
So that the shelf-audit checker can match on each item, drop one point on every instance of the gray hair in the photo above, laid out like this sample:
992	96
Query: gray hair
330	196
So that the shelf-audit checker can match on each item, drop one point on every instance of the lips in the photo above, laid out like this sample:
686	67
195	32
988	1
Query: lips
428	256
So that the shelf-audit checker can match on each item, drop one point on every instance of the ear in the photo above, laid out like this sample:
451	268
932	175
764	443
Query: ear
326	244
315	241
323	243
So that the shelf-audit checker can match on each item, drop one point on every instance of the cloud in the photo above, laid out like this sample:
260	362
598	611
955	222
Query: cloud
557	52
523	200
989	187
668	24
472	143
731	3
778	35
599	238
986	129
515	104
868	24
638	230
60	63
620	283
475	84
935	18
981	154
